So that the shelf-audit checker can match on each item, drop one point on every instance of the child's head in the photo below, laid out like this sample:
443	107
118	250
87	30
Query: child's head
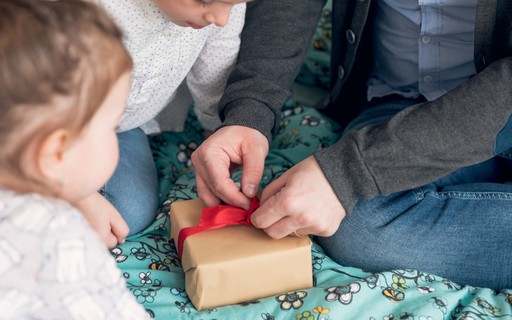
64	74
198	13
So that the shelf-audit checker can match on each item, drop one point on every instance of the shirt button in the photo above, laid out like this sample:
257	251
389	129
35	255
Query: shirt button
425	39
167	32
351	36
341	72
427	79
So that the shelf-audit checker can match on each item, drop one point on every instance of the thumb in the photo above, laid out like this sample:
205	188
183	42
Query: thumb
252	171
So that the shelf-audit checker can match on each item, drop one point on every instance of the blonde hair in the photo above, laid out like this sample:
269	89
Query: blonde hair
58	62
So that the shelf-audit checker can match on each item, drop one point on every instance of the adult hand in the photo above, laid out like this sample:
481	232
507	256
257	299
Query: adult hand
104	219
222	153
301	200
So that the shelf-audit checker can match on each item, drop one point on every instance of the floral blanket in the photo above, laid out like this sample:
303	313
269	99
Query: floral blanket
150	263
153	273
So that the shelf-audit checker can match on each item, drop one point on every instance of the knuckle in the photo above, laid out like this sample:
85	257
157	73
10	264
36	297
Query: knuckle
195	157
302	220
289	204
219	188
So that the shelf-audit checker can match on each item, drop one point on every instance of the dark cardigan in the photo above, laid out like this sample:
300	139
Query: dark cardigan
425	142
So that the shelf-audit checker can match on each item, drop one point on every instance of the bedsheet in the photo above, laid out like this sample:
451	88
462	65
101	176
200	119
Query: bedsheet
150	264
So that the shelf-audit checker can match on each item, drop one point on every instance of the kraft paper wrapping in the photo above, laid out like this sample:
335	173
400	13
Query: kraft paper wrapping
237	263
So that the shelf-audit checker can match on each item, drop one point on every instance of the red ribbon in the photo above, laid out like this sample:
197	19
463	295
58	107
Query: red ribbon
218	217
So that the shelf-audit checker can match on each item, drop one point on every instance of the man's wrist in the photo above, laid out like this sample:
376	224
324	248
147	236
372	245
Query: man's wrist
250	113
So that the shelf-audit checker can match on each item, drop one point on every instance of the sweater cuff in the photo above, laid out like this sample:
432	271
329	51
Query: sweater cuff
347	173
250	113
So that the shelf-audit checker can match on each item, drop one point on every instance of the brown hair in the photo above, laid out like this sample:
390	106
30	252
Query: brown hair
58	61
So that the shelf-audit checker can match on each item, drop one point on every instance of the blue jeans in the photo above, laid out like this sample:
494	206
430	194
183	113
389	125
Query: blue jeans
133	188
458	227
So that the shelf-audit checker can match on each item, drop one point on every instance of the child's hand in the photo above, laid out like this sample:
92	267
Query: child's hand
104	219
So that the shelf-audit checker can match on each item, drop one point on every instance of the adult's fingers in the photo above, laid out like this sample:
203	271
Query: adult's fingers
209	198
292	203
213	179
252	170
226	191
226	148
270	209
279	215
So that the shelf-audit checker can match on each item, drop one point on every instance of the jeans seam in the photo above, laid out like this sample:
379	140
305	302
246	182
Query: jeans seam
471	195
420	194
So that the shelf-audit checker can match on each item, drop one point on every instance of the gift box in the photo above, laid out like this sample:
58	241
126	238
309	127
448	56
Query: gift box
236	263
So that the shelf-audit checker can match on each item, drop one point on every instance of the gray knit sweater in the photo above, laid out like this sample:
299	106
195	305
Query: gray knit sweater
425	142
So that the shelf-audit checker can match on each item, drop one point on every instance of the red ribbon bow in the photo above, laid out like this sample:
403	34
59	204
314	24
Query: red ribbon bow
218	217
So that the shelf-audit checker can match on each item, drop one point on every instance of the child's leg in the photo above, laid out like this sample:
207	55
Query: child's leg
133	189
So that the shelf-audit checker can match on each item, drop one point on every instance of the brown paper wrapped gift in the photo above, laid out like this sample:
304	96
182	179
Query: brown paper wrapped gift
237	263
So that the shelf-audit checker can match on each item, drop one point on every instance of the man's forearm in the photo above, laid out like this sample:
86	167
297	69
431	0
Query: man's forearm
425	142
275	41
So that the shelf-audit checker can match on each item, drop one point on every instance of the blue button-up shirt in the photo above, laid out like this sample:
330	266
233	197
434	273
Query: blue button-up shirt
422	47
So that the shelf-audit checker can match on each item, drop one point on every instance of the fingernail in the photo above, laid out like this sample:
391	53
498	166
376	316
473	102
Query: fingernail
250	190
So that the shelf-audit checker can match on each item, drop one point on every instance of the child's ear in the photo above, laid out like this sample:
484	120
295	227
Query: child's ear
50	156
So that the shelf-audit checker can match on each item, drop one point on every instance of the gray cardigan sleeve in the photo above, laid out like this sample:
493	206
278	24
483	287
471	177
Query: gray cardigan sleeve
424	142
275	41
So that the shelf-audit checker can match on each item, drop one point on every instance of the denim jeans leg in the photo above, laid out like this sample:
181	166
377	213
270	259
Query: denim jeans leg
133	188
458	227
463	236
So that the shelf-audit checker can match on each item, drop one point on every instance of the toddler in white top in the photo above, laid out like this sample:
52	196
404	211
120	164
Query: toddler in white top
65	75
174	42
183	52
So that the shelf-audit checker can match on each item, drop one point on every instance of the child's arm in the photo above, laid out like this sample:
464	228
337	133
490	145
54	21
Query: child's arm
207	78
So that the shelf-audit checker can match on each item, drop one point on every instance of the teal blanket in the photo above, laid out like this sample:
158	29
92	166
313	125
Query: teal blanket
150	263
153	272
